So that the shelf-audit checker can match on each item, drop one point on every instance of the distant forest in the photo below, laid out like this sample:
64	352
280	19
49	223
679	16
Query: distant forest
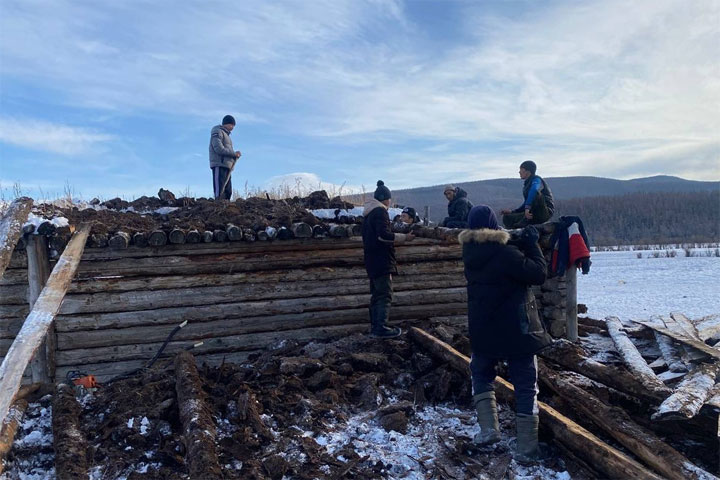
647	218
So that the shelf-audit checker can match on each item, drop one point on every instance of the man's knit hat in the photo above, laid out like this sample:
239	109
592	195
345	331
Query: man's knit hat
382	192
228	119
482	216
529	165
411	213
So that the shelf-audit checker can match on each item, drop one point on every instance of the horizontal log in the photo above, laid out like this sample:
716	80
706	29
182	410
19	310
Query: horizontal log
213	295
9	327
119	241
13	295
232	343
207	236
230	263
250	309
220	236
157	238
301	230
176	236
327	274
98	240
17	260
236	326
690	395
12	311
234	233
140	240
16	276
193	236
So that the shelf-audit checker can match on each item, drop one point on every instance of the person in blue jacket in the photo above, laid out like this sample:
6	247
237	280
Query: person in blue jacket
538	205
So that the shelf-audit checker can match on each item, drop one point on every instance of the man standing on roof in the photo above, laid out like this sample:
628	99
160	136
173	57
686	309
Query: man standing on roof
379	252
222	158
458	207
538	206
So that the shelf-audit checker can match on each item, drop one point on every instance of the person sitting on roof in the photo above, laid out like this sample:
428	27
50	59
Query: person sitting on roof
458	207
538	206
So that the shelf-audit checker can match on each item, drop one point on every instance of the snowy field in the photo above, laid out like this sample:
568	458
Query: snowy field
621	284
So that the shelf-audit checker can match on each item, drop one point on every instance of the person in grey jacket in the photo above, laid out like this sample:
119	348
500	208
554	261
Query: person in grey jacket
222	157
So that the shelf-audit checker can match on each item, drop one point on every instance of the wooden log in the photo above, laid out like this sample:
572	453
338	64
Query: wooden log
608	460
14	276
98	240
355	229
670	353
249	235
119	241
207	236
68	438
193	236
9	428
685	324
338	231
39	320
18	259
285	234
157	238
197	296
642	442
220	236
301	230
43	363
176	236
140	239
319	231
633	360
262	235
13	294
692	342
708	328
690	395
46	228
245	325
199	432
58	242
11	225
234	233
272	233
571	304
683	327
571	356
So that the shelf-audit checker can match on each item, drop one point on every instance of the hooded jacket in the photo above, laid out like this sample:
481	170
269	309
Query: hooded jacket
379	240
459	207
503	317
221	148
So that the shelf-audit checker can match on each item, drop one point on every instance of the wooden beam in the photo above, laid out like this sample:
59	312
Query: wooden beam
571	321
689	397
39	320
9	428
695	343
11	225
580	441
42	364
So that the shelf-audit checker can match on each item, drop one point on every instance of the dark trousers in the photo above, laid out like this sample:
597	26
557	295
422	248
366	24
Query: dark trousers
523	376
381	295
220	175
540	212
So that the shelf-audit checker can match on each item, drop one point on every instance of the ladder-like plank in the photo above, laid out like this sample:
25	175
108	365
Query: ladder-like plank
11	225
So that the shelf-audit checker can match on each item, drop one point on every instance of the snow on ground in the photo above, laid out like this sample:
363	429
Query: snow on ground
621	284
35	434
329	213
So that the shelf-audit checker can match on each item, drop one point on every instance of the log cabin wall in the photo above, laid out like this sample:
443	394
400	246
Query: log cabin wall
237	297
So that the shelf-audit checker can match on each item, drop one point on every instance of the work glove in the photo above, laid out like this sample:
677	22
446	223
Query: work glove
529	236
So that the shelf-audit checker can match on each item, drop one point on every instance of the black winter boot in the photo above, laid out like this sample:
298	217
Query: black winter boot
379	315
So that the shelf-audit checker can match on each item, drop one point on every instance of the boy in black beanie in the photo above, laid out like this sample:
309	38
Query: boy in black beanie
379	253
538	205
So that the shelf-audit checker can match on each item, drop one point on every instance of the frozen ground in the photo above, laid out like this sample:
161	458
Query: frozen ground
621	284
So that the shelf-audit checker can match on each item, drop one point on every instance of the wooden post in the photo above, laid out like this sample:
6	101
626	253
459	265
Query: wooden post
39	320
11	227
571	303
42	364
426	215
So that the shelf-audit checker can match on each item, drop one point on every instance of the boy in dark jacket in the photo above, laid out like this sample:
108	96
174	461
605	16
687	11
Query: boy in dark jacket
379	252
504	323
538	204
458	207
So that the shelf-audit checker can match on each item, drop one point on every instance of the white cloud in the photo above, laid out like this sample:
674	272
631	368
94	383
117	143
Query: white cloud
50	137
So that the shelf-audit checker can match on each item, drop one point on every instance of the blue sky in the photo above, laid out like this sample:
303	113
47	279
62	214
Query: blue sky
118	98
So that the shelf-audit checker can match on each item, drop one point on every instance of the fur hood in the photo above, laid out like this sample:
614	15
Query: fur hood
484	235
371	205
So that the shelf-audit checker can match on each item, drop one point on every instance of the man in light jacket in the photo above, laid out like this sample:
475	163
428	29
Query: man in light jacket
222	157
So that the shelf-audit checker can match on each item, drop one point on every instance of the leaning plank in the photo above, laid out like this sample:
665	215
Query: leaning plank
670	353
11	225
68	438
708	328
652	450
634	361
9	428
199	431
39	320
680	324
689	397
695	343
580	441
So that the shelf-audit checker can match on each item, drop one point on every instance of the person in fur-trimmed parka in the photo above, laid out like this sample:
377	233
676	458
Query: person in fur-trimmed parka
504	323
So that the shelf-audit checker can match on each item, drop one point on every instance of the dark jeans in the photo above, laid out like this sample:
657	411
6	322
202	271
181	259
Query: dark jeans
448	223
381	295
523	376
540	212
220	175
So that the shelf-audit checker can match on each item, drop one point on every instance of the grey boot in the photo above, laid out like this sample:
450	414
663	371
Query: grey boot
527	450
487	416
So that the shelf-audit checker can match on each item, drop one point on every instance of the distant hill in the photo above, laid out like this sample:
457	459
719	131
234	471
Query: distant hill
507	192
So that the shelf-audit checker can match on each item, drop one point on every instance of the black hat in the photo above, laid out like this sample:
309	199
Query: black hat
411	213
228	119
382	192
529	165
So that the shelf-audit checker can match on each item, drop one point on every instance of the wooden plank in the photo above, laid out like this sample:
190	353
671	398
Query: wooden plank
42	364
571	321
708	327
690	395
580	441
213	295
237	326
697	344
249	309
9	428
39	320
633	360
11	224
252	341
326	274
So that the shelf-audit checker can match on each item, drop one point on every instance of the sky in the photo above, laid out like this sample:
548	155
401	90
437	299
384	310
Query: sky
106	99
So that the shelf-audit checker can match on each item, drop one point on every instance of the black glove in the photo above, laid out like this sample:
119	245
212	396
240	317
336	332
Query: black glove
529	236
